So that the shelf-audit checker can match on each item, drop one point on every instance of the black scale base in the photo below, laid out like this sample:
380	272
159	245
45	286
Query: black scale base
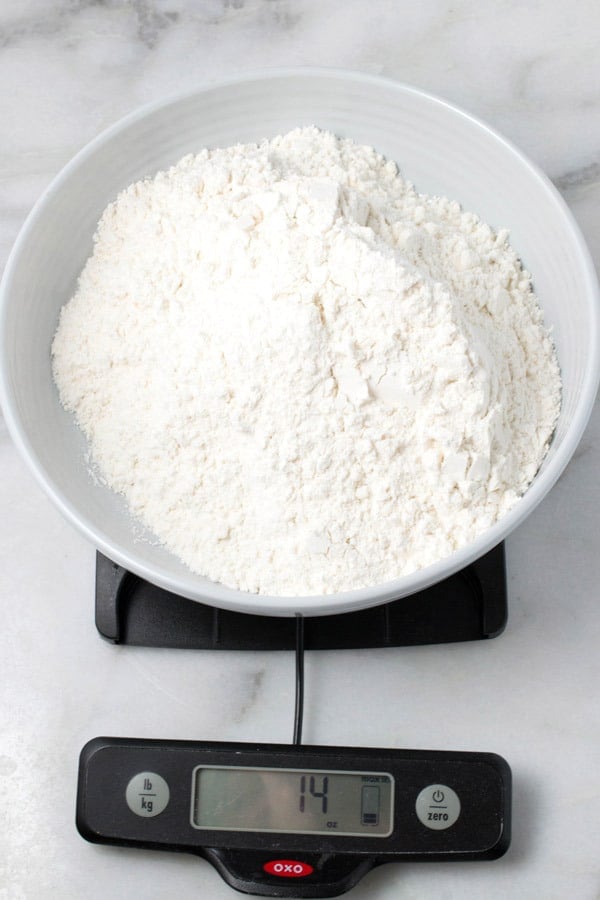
468	606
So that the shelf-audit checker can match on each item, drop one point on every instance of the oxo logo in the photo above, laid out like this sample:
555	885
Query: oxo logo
288	868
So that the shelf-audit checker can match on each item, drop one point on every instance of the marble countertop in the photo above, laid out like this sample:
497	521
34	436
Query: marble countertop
69	69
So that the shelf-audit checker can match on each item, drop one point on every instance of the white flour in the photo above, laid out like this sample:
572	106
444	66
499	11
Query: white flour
304	376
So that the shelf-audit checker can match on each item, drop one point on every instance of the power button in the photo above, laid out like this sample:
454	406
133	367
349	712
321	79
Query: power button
437	806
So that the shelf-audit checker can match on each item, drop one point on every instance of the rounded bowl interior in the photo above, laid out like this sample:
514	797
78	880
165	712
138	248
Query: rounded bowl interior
439	148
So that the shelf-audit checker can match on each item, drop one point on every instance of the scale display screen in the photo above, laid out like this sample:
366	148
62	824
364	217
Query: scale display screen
296	801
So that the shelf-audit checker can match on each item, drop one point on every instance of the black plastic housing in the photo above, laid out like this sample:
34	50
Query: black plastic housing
468	606
481	832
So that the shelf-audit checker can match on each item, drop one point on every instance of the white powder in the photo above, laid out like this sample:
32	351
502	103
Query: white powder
303	375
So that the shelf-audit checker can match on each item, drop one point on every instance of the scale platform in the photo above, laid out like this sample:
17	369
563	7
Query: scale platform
470	605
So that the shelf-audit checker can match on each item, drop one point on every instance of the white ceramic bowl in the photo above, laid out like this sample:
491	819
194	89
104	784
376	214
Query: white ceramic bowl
438	147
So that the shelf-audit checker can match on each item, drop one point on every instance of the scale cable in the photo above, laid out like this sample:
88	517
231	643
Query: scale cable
299	710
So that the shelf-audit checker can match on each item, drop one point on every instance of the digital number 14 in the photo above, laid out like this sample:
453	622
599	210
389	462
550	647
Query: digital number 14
312	787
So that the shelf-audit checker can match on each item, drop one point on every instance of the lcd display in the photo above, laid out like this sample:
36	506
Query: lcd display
298	801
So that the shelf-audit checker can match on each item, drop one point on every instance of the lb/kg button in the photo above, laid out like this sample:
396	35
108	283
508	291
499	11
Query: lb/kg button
437	807
147	794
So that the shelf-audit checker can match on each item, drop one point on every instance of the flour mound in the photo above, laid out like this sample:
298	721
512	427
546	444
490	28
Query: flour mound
304	376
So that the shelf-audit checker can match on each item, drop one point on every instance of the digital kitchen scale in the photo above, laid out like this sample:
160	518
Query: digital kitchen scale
294	820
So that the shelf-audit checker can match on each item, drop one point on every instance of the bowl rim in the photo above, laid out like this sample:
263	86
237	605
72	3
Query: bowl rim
345	601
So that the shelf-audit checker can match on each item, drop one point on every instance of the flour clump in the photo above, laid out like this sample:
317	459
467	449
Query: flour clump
303	375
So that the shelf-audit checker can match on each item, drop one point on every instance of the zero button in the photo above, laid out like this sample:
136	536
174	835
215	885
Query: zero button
438	807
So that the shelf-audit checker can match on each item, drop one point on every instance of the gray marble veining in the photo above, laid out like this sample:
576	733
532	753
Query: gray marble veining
586	176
